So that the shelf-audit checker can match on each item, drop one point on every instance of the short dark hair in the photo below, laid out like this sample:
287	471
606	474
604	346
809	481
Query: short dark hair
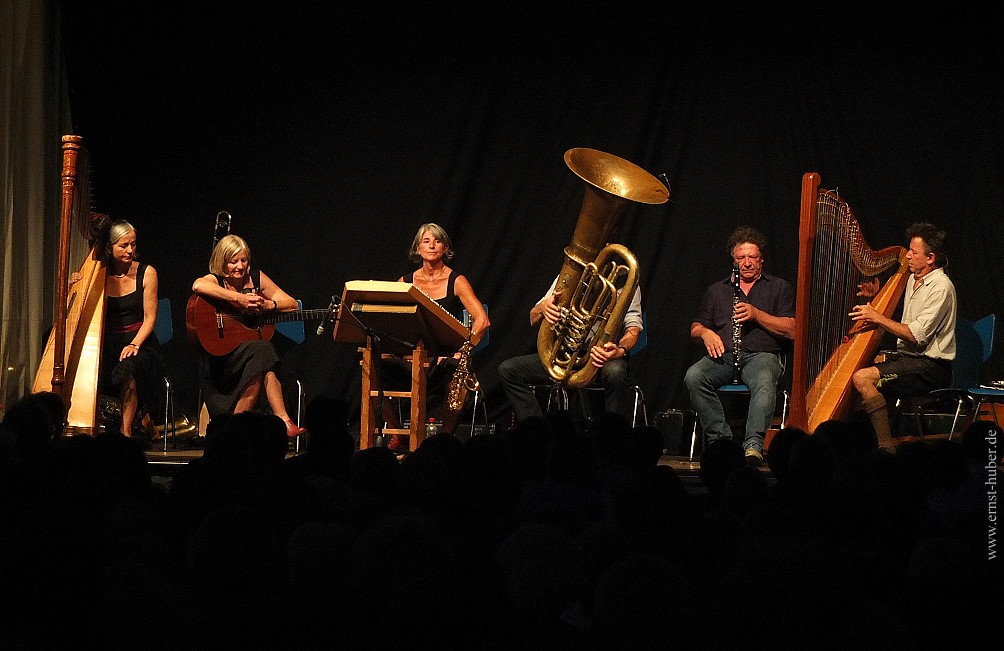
744	234
935	241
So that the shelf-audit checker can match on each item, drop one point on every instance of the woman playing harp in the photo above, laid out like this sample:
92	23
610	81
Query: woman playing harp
131	367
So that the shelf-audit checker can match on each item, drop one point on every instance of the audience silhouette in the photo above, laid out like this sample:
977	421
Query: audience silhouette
543	536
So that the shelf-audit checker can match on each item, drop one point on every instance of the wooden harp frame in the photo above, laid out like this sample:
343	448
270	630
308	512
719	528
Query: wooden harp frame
821	374
72	356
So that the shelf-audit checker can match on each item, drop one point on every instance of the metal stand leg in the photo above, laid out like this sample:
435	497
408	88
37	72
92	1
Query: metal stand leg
474	411
557	395
169	414
299	415
693	440
639	401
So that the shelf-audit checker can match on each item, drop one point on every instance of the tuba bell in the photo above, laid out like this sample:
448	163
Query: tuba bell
592	301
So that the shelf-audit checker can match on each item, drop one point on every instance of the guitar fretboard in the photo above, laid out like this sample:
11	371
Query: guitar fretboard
295	315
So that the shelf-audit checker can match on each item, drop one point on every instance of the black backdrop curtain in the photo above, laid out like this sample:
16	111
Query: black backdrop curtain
331	134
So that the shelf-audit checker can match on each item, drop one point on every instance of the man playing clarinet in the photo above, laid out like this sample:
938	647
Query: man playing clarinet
755	314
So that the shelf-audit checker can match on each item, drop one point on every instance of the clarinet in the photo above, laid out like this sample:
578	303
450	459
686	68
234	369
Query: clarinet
737	328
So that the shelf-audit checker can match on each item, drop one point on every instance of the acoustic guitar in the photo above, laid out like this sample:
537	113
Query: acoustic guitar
217	327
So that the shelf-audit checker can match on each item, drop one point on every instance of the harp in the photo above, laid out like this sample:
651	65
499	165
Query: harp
833	258
72	355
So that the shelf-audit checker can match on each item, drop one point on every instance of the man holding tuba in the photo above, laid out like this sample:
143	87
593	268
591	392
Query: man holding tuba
755	314
520	374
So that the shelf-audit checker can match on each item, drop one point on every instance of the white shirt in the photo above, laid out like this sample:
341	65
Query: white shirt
929	310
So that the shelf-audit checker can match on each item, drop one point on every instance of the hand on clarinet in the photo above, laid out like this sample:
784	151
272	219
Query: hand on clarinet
743	312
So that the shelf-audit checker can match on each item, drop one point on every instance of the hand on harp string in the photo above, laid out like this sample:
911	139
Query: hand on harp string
865	315
868	287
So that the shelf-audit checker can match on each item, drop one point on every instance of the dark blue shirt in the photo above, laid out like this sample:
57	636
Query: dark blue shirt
771	294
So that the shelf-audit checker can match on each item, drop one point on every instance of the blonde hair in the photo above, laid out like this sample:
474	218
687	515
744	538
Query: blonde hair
439	233
224	252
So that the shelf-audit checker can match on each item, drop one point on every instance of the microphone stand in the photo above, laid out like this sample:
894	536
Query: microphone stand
376	336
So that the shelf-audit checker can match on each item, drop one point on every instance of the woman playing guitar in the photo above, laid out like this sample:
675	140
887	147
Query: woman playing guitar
232	383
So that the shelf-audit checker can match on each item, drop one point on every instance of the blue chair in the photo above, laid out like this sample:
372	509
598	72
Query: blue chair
292	330
466	320
986	393
164	329
973	347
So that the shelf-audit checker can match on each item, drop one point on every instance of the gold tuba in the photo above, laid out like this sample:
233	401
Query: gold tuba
592	307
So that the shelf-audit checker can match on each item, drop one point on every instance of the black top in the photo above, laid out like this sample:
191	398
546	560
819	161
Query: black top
255	280
223	378
125	313
123	319
771	294
451	302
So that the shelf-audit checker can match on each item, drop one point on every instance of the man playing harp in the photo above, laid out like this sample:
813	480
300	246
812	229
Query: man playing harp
925	338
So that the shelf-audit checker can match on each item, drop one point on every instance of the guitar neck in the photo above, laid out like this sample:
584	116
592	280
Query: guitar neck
294	315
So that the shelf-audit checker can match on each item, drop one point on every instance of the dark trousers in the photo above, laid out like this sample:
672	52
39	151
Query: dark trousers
520	374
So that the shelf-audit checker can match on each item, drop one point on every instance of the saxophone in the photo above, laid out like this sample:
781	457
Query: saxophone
737	328
463	380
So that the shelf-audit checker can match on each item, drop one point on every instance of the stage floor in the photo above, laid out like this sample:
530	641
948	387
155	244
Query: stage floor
165	465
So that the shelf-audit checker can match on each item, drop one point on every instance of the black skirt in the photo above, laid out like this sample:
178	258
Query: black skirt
224	377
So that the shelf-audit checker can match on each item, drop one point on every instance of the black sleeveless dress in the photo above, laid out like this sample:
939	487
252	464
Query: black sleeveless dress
451	302
224	377
123	318
396	373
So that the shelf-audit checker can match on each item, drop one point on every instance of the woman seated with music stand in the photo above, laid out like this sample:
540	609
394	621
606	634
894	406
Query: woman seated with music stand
232	382
431	248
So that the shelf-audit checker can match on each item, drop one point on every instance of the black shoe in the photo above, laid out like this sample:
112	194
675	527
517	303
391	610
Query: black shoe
753	458
143	440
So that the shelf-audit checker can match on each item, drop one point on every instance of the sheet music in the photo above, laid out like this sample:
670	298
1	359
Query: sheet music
400	310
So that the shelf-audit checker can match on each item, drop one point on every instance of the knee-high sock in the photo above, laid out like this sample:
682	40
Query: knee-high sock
878	414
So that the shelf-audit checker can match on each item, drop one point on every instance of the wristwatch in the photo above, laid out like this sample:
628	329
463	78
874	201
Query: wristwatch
627	353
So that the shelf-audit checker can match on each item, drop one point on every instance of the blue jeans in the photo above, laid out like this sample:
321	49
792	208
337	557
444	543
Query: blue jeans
520	373
758	371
